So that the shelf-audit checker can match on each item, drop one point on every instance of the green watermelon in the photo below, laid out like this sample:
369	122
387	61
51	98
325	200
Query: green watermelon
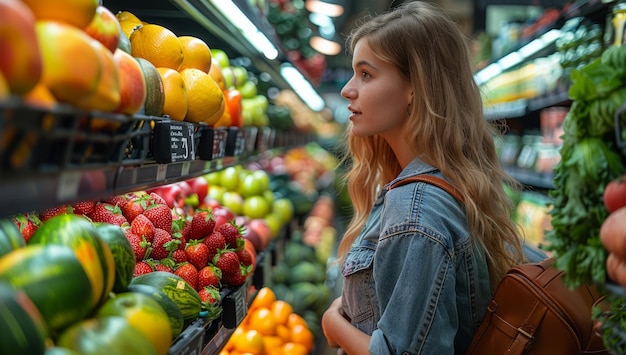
53	278
123	254
170	307
10	237
81	235
21	325
177	289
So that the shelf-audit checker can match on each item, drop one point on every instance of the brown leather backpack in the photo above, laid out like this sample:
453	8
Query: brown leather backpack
532	311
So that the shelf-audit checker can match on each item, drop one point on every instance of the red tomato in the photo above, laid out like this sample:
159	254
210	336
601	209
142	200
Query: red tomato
233	103
615	194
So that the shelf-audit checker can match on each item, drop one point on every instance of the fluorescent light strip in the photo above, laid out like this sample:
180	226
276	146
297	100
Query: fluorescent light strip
302	87
510	60
517	57
488	73
256	38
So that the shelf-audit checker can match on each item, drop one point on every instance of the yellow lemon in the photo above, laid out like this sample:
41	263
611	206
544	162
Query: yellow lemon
158	45
176	103
127	16
196	54
206	100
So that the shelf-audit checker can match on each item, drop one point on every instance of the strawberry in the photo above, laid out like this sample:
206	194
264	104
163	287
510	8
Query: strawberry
211	301
197	253
231	232
141	247
209	275
163	244
215	241
108	213
202	224
135	206
142	268
228	261
166	264
245	257
84	207
118	200
209	295
27	223
236	278
141	225
156	199
55	211
179	256
160	215
189	273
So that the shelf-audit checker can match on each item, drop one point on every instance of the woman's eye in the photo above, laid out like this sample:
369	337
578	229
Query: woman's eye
365	75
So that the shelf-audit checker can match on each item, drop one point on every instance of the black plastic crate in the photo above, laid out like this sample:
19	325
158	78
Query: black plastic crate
190	341
38	140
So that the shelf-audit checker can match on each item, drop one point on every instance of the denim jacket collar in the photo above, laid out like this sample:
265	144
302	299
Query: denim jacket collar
415	167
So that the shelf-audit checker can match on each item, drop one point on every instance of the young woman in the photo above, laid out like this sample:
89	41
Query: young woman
419	267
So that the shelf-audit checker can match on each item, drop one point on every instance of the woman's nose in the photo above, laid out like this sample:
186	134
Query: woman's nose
348	91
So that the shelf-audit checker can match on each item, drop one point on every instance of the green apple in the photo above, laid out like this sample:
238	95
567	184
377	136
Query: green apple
241	75
283	207
216	192
233	201
248	89
213	178
229	177
256	207
221	57
229	77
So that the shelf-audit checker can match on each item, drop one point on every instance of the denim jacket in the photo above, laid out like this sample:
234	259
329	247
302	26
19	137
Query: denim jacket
413	279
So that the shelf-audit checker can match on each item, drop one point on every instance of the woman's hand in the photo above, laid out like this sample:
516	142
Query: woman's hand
329	318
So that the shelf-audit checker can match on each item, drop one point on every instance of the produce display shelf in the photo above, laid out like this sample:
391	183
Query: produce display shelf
64	155
531	178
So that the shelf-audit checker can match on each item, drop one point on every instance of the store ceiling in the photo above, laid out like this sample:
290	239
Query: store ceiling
355	10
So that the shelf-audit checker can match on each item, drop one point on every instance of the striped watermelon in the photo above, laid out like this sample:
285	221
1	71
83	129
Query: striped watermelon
10	236
53	278
177	289
173	311
123	254
21	325
80	234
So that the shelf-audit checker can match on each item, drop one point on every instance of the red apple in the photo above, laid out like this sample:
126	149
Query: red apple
105	28
199	186
132	83
253	237
20	62
223	215
262	228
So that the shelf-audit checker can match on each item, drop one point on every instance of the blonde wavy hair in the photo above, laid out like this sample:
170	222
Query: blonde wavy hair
446	129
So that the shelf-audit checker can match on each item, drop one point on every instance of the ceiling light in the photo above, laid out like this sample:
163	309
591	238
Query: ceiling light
302	87
256	38
325	46
324	8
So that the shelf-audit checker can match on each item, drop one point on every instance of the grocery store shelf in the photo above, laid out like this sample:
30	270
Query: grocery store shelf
48	158
531	178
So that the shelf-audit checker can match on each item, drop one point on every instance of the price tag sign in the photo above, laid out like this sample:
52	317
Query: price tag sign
173	142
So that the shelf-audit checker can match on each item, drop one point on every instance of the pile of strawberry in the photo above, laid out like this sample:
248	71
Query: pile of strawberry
190	243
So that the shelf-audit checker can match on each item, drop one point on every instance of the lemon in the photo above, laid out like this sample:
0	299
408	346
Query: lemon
158	45
206	100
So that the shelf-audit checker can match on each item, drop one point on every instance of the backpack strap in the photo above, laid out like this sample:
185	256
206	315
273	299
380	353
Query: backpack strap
430	179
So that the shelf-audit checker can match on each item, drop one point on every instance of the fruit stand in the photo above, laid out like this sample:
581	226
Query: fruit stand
112	186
